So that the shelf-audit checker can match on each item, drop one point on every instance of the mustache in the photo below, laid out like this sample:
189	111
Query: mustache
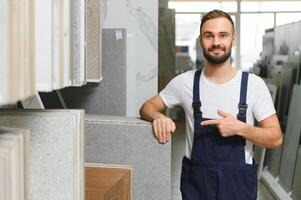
216	47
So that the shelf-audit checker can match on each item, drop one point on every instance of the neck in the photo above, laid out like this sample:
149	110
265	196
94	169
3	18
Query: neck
220	73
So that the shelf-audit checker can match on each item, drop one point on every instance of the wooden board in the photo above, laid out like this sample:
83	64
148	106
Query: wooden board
107	182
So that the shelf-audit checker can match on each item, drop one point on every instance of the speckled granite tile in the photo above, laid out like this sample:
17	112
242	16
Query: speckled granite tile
57	163
78	23
130	141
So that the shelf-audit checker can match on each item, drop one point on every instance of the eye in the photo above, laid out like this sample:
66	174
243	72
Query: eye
208	36
223	35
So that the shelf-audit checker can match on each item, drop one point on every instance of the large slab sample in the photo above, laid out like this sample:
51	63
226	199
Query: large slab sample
291	142
14	164
167	47
57	151
109	96
296	193
130	141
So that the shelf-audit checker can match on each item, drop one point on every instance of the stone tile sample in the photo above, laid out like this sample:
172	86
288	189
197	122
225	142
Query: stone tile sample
57	151
286	87
167	47
291	142
109	96
281	40
105	182
78	35
93	39
130	141
17	58
14	164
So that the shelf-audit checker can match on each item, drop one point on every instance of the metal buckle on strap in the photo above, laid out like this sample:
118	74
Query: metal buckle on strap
242	109
197	107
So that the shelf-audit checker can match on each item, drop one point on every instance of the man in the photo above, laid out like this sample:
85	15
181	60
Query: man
221	104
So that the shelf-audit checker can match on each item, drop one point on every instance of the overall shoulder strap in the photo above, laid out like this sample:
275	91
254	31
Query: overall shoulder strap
196	103
243	106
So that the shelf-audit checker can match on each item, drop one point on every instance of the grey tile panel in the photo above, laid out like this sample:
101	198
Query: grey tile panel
130	141
291	142
57	151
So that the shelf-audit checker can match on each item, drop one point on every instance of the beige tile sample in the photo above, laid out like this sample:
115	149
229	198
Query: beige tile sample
93	40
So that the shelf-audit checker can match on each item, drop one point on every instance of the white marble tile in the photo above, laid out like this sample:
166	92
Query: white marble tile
57	152
14	165
43	48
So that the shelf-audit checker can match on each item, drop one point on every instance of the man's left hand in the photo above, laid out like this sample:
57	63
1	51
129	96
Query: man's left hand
227	126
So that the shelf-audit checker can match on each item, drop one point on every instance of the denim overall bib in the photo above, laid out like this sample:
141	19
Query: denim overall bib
217	169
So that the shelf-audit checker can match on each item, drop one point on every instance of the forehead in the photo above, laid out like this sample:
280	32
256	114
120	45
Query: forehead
216	25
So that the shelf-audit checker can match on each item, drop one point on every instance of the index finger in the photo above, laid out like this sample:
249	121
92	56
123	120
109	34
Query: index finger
210	122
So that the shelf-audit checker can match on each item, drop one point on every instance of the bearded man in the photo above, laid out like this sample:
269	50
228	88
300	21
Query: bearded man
221	104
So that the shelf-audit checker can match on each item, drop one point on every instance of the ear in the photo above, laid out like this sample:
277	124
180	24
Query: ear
234	40
200	42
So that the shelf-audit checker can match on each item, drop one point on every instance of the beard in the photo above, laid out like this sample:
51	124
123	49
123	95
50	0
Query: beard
217	60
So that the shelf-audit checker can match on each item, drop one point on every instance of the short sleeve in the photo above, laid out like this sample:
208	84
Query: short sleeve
263	106
171	94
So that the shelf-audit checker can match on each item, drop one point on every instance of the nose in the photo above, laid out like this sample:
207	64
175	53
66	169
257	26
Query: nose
215	40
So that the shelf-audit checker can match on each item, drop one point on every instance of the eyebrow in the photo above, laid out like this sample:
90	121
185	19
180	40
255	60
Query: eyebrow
222	32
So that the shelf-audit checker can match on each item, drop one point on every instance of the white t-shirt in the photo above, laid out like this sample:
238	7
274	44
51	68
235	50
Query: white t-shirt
179	92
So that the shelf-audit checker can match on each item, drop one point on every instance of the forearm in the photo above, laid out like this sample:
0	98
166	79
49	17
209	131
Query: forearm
149	112
163	126
268	137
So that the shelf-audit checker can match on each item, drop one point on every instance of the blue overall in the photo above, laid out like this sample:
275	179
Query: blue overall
217	169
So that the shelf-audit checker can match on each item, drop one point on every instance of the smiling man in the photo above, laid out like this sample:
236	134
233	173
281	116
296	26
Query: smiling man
221	104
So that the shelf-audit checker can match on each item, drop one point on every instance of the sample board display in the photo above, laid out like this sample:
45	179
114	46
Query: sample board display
130	141
57	151
109	96
48	45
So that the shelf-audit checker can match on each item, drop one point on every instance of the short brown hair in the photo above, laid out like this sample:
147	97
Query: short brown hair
215	14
